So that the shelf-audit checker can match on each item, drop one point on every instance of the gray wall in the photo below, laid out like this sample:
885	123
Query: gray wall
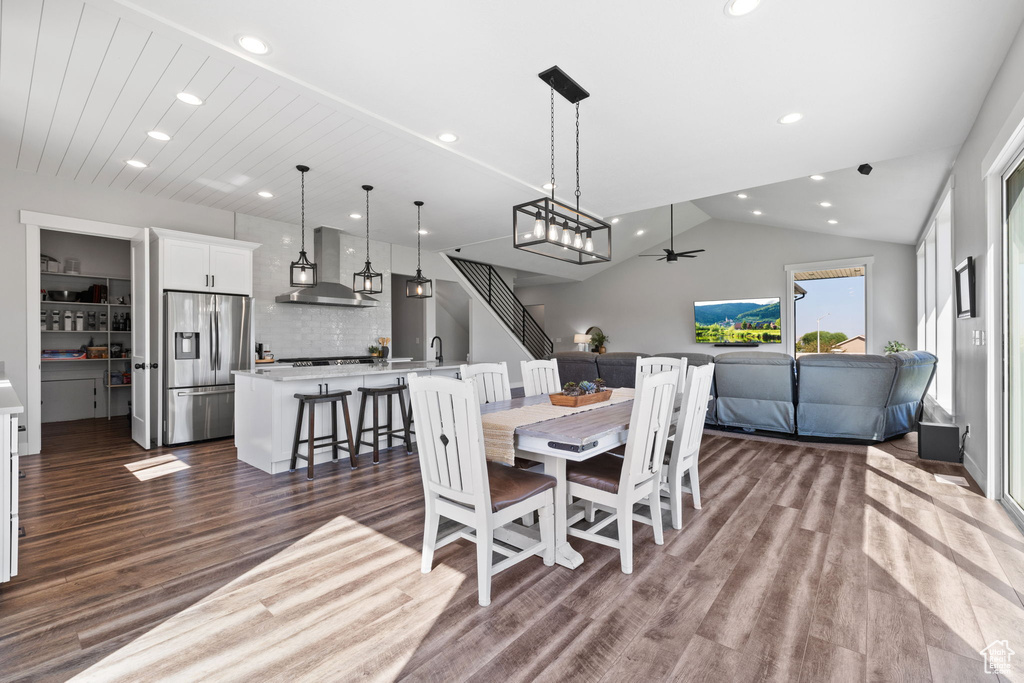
408	321
648	307
1000	114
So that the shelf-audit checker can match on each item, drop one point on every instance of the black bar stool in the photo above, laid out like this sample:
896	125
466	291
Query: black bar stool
312	441
389	430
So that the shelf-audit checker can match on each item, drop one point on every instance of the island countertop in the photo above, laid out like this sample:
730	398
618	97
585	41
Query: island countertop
293	374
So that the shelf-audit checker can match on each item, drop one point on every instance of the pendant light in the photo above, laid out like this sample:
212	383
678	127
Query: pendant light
419	287
367	280
303	271
556	229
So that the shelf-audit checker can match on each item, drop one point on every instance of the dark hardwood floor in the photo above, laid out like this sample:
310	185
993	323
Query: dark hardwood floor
805	564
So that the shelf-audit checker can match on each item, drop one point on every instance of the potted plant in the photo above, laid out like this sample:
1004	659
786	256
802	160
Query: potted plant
373	350
895	347
597	341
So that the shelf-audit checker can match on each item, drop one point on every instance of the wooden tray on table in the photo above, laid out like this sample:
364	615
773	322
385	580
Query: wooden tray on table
561	399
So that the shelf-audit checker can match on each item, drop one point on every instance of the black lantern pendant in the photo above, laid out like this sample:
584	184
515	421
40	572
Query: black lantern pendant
552	228
419	287
303	271
367	280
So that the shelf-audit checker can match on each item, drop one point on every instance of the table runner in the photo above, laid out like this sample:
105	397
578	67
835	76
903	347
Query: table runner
500	427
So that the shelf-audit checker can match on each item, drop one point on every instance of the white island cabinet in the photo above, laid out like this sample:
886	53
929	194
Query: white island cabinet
266	407
10	406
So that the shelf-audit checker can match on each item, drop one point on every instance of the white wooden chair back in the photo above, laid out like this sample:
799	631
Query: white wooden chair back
491	380
450	440
649	425
656	364
690	424
540	377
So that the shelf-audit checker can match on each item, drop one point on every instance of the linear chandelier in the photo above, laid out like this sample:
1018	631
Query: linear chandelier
552	228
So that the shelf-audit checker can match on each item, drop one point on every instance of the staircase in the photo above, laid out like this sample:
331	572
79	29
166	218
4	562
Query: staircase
499	296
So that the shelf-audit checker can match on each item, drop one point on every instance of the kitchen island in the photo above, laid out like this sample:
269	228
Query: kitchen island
265	405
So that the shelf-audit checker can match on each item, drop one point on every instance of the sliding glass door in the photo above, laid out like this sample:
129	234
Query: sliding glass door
1014	203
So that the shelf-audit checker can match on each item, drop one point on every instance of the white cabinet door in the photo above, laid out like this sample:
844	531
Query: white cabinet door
230	270
186	265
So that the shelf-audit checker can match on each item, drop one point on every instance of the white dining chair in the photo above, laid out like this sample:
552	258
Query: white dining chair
491	380
684	450
461	485
655	364
540	377
614	483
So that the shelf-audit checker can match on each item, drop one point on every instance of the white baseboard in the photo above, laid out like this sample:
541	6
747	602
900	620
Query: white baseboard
976	472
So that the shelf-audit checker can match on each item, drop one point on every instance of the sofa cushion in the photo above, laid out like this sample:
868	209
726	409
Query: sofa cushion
843	395
575	366
756	390
618	369
914	373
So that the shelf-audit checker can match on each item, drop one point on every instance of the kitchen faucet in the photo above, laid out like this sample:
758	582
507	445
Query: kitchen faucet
439	358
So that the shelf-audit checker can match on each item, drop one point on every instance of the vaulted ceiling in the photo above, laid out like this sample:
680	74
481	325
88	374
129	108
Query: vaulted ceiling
685	101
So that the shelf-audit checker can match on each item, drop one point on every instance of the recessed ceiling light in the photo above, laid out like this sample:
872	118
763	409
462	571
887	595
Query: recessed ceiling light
738	8
423	232
447	137
817	177
189	98
549	186
791	118
756	213
825	204
615	220
832	221
265	194
355	215
157	135
742	196
639	232
135	163
254	45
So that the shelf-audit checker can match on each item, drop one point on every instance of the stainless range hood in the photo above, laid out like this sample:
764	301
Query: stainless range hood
328	292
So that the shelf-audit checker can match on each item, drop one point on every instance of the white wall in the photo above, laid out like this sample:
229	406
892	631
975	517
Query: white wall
451	321
491	342
976	392
648	306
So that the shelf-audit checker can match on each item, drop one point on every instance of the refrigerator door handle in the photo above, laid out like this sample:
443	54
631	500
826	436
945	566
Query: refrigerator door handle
205	392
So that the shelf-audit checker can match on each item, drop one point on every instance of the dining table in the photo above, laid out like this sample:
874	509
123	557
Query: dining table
554	443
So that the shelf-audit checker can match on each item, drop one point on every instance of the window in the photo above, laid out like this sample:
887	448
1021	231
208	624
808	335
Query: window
935	305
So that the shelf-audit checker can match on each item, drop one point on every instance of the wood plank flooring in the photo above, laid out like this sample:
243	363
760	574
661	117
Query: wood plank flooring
804	564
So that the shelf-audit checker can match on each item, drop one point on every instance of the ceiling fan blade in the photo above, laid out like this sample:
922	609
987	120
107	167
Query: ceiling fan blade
667	251
687	255
663	258
691	251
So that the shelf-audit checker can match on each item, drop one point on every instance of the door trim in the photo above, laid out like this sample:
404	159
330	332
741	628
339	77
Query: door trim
35	221
789	306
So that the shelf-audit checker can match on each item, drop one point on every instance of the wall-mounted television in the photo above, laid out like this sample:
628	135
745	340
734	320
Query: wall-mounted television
738	321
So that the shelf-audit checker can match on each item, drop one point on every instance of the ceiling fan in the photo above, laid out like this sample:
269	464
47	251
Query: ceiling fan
671	255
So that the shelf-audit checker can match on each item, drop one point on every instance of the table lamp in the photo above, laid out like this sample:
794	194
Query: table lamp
583	340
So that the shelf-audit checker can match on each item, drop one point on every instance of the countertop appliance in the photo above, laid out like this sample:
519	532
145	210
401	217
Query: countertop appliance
206	337
328	360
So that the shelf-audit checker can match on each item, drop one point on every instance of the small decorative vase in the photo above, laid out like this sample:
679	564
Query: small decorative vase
602	350
384	352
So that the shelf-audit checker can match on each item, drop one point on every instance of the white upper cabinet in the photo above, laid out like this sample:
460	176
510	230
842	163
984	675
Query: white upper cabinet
230	270
185	265
204	264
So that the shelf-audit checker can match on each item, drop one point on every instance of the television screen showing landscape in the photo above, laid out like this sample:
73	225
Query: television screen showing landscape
738	320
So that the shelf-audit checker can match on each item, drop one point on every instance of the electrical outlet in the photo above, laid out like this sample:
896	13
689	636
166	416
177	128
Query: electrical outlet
558	339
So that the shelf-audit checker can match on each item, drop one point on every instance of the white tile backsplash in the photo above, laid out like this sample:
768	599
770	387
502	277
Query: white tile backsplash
290	330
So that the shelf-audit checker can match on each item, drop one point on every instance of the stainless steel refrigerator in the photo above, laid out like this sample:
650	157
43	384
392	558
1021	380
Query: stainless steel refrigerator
206	336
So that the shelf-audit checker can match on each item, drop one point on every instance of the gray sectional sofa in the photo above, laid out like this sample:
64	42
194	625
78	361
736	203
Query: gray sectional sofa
818	396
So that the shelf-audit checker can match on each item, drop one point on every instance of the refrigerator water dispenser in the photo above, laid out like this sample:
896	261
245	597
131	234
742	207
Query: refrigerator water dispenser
186	345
